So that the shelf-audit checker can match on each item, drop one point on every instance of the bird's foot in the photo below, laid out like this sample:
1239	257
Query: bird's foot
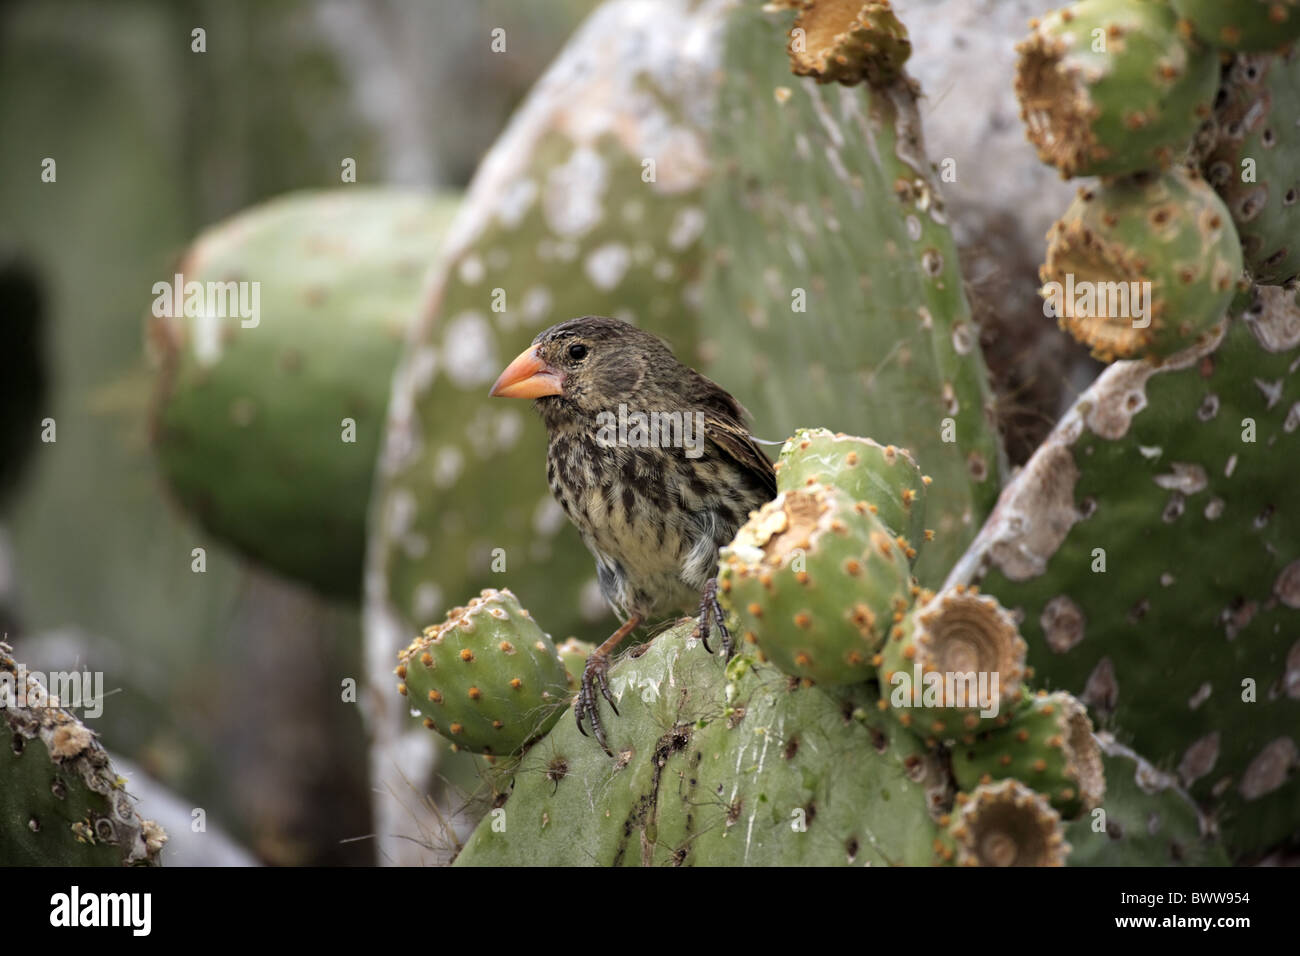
596	674
711	611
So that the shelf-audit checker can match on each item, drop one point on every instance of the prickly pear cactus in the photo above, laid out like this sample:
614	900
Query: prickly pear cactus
1108	87
488	678
717	765
267	421
833	295
886	478
1143	266
1253	25
1003	824
61	803
1151	550
816	581
1252	162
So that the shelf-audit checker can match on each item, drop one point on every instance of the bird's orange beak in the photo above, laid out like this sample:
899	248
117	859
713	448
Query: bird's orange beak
527	377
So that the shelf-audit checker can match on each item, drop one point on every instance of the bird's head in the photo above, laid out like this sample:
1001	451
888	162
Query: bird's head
585	366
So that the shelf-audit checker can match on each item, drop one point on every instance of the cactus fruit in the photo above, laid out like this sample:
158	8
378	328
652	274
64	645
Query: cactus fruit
1109	87
1144	266
1252	162
720	767
816	581
1048	745
957	632
885	477
267	426
61	803
488	678
835	41
573	654
1248	25
1004	824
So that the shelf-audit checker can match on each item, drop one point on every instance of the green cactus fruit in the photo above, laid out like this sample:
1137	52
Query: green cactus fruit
1253	161
573	654
953	666
61	803
1003	824
267	425
1048	745
1247	25
885	477
719	766
488	678
816	581
838	42
1142	267
1109	87
1145	819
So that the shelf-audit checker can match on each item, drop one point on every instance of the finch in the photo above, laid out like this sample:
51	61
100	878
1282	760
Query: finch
655	466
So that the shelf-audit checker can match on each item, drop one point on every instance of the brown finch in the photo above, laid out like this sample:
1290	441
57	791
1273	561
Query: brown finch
653	464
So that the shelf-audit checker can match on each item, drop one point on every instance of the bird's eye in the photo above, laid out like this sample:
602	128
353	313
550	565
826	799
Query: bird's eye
577	352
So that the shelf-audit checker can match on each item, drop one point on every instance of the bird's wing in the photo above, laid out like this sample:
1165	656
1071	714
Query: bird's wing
734	441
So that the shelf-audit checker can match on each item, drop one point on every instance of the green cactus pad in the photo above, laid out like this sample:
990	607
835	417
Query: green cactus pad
1048	745
1152	549
61	803
817	582
1003	824
1145	819
719	766
956	632
1142	267
885	477
250	421
848	41
1249	25
832	292
1126	99
488	678
1253	162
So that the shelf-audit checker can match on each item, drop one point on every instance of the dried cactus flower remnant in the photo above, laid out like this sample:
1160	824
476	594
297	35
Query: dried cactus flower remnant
848	42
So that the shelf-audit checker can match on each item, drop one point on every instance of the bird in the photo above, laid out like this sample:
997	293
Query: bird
652	499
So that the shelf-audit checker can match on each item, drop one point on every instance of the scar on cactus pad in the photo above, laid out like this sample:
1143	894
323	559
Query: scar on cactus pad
816	581
848	41
488	678
1143	267
1109	87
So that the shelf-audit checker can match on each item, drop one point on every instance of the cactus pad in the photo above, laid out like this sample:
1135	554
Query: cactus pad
1251	25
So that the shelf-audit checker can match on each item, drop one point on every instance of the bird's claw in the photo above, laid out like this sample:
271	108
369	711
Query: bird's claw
711	612
594	674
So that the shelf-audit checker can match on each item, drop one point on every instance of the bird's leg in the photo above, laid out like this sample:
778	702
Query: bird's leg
596	672
710	608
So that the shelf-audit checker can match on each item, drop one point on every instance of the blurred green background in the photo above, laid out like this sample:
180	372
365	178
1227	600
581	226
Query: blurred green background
220	682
